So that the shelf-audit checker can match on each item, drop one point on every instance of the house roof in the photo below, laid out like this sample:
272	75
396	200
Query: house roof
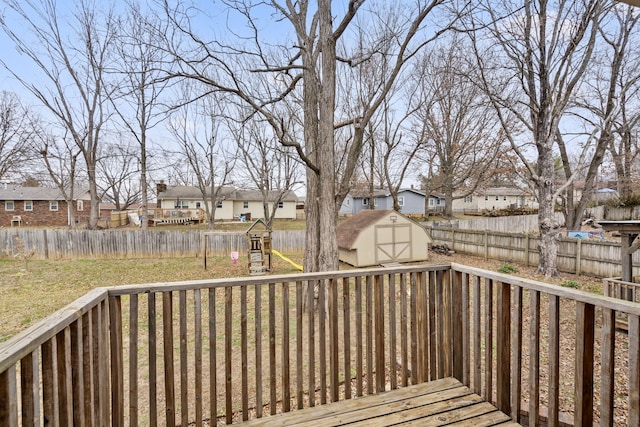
501	191
359	193
349	230
227	192
16	192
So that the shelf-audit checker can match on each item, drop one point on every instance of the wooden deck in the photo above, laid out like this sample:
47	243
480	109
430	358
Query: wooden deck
436	403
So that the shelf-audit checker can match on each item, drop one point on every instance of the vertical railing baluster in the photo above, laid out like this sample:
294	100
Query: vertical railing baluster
534	358
634	370
258	335
333	339
8	398
346	320
299	346
30	391
286	375
477	336
488	340
228	350
607	362
554	360
213	359
184	360
169	373
393	364
585	331
456	326
359	350
311	284
133	360
273	396
322	339
466	332
414	328
379	333
503	348
117	365
87	368
197	356
404	313
153	367
77	373
431	334
516	356
244	376
369	332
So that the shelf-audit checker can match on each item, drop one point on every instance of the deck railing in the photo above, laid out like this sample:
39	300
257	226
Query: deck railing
223	351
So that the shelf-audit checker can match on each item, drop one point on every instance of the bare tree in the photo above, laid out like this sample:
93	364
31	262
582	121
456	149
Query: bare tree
118	169
136	99
60	157
605	108
531	58
456	121
72	58
267	165
306	65
16	129
209	161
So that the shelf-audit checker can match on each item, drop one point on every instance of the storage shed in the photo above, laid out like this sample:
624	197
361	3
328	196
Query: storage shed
373	237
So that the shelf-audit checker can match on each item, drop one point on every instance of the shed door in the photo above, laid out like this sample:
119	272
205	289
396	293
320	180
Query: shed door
393	243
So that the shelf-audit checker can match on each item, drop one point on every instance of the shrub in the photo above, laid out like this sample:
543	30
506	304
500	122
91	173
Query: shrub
570	284
508	269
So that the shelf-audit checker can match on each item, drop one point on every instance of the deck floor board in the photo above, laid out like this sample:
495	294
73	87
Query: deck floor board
435	403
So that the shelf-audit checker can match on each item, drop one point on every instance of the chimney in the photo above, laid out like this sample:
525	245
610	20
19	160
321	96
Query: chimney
161	186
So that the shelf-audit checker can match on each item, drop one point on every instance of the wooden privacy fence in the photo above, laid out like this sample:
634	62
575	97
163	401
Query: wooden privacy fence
74	244
581	256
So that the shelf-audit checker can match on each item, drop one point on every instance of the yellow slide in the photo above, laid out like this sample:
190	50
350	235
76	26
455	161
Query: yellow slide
299	267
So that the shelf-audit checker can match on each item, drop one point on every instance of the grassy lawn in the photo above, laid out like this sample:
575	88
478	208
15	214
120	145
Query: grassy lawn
32	292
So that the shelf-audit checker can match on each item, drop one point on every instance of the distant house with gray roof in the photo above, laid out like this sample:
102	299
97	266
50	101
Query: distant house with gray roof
40	206
233	203
411	201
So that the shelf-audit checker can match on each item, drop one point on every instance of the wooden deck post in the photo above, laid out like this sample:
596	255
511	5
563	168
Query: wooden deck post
503	348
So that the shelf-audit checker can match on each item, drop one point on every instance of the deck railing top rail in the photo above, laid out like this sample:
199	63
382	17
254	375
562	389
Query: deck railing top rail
577	295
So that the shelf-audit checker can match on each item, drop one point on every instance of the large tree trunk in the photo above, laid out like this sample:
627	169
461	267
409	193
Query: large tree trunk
548	227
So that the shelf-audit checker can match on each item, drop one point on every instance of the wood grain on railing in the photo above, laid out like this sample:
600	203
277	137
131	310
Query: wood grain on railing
250	346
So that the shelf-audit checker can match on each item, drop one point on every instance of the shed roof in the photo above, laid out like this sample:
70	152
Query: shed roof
351	228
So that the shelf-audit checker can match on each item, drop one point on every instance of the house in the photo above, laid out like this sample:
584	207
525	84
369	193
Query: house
495	198
233	204
40	206
373	237
411	201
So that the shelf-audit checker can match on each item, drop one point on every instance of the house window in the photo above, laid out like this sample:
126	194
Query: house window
400	201
468	199
198	204
28	205
347	202
365	202
486	198
497	198
504	198
53	205
9	205
375	202
431	202
80	205
245	205
438	202
219	205
181	204
280	205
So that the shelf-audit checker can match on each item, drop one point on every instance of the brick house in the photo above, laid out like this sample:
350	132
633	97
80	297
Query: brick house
40	206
